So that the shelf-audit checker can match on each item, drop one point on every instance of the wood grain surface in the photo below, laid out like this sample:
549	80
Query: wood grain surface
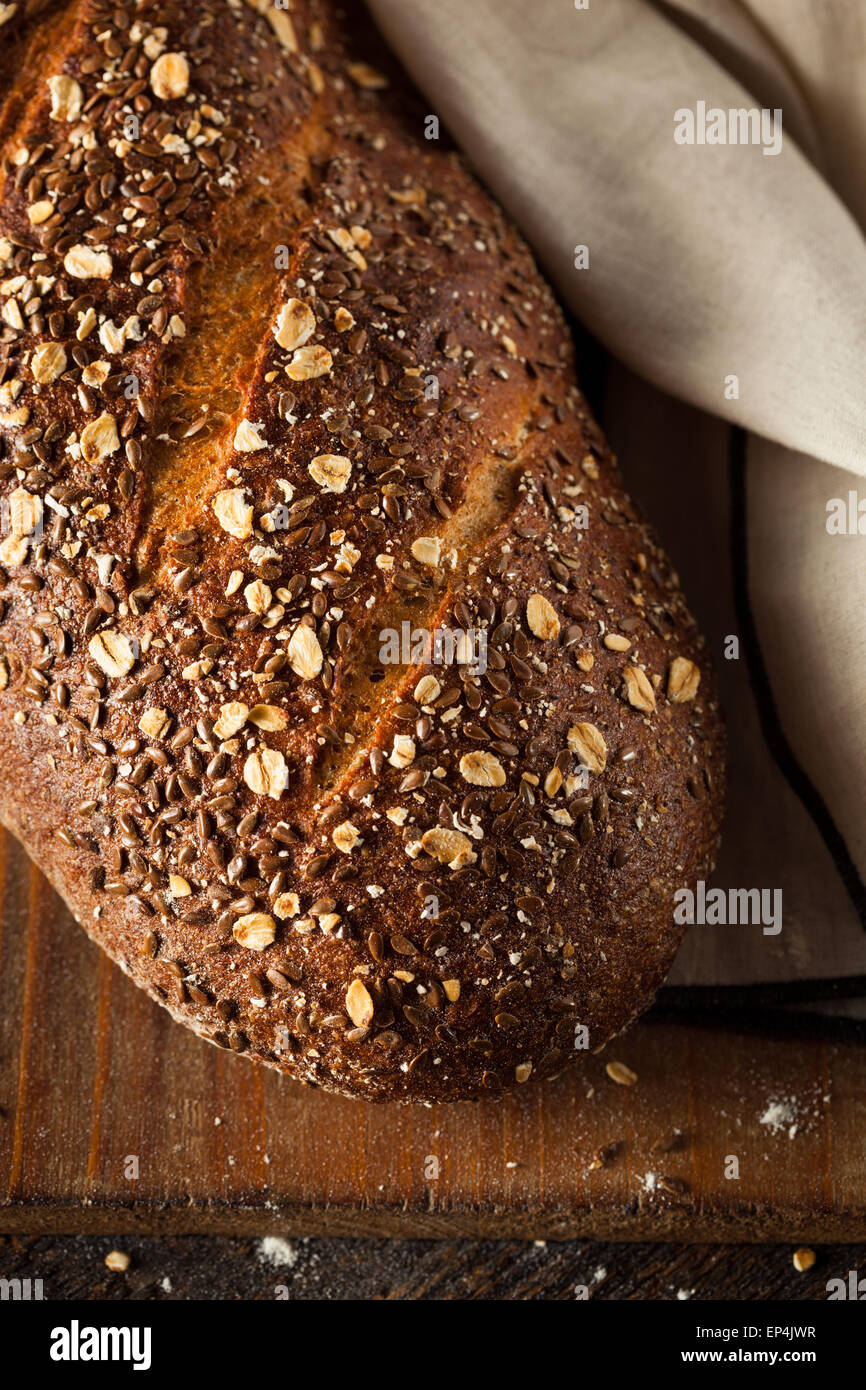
113	1119
221	1268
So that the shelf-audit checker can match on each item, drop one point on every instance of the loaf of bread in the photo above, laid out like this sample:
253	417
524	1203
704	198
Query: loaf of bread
346	698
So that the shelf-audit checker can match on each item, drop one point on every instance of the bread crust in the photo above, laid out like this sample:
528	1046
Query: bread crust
278	377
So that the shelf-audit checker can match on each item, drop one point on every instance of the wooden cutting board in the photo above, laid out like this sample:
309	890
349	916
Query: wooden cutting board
114	1119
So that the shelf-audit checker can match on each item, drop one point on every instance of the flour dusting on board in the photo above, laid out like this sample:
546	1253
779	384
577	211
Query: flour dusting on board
276	1252
781	1114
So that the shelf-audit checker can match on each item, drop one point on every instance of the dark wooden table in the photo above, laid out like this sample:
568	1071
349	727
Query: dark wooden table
207	1267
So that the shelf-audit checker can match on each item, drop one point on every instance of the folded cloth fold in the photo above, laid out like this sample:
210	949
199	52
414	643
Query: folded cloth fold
723	263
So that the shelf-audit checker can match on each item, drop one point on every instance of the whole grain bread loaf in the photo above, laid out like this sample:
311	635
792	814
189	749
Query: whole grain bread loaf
281	395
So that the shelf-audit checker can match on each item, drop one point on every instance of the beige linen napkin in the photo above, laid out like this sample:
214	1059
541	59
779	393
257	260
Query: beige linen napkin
707	263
